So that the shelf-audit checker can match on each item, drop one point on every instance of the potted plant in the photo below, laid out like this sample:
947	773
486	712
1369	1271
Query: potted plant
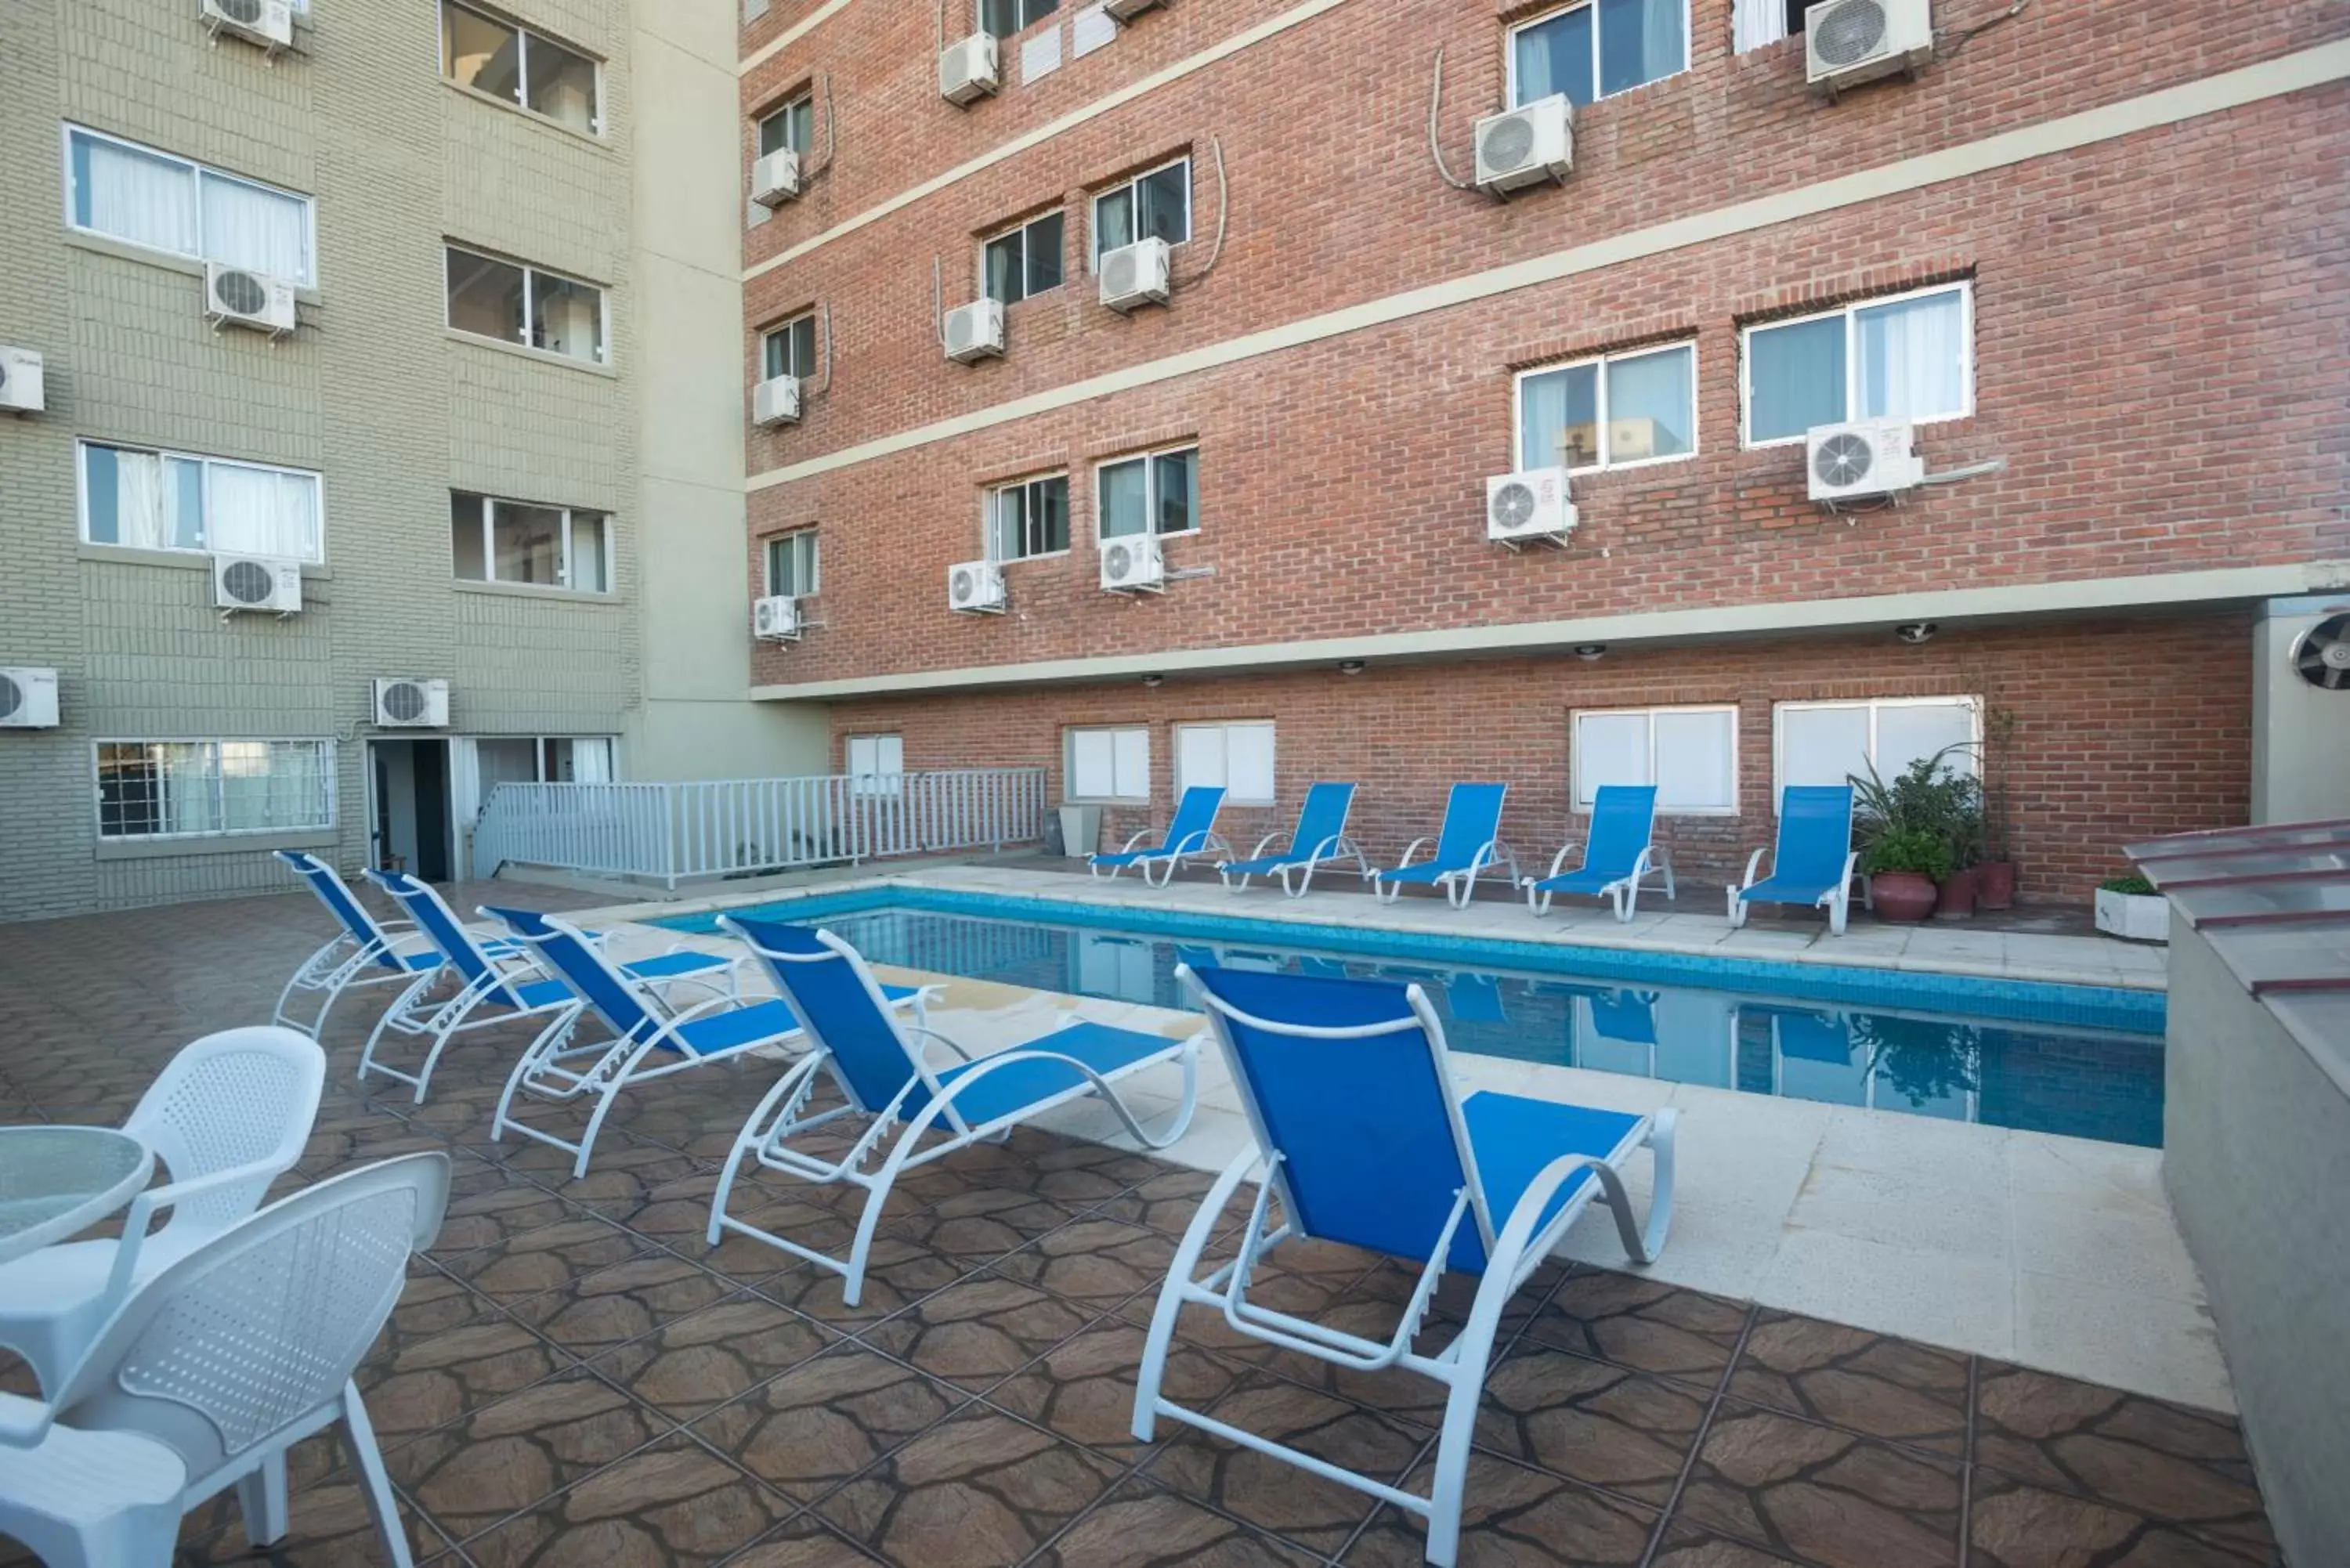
1904	865
1996	878
2129	908
1927	1060
1924	826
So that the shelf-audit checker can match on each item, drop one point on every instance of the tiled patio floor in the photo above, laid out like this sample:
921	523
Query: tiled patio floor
574	1379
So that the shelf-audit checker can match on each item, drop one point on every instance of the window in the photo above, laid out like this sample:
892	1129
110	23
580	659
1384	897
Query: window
1110	765
1828	742
1004	17
516	304
790	349
791	565
791	127
170	501
520	67
1025	262
1611	412
1157	492
498	541
1157	205
1238	757
192	789
876	763
1031	518
1589	51
1908	358
164	203
1690	755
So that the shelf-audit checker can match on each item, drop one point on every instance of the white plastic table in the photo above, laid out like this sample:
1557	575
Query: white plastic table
55	1180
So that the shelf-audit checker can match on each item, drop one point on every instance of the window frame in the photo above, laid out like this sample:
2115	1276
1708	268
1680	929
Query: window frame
872	783
487	520
1150	459
1133	182
1021	228
531	272
522	33
979	18
1602	361
1963	288
987	505
778	330
1225	726
198	172
329	787
1972	702
205	464
1069	734
1510	52
1578	806
815	562
804	99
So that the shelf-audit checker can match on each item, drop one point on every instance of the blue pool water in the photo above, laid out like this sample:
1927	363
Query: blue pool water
2076	1060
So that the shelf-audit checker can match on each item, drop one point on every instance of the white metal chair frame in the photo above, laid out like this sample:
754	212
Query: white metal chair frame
1836	900
1459	885
1623	894
341	963
1338	846
206	1107
175	1402
780	1115
1513	1253
1200	845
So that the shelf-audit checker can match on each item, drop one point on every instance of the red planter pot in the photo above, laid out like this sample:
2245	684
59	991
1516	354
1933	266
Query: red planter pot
1995	885
1958	895
1902	894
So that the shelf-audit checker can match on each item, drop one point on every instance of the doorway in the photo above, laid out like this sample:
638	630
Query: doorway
408	824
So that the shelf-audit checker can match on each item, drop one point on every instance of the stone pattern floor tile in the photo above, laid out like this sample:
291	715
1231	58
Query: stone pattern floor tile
573	1377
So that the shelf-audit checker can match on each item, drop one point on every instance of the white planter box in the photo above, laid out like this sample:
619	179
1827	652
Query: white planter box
2138	917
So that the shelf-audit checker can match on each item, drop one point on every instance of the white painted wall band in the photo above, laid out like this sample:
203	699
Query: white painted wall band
788	37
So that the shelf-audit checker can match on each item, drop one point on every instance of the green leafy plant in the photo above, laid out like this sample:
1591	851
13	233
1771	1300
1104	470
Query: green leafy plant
1999	733
2136	887
1918	849
1922	1059
1929	799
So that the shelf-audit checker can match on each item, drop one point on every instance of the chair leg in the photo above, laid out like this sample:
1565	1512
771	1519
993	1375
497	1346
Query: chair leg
1452	1477
261	1500
359	1435
137	1537
1153	1370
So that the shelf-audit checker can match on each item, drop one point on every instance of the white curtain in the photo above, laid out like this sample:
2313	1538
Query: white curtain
247	226
263	512
1664	43
1759	22
133	196
140	499
1912	357
191	801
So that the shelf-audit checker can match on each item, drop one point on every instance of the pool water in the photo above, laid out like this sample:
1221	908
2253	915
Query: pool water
2067	1077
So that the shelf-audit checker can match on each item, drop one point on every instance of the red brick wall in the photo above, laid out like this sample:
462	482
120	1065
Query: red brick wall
2124	729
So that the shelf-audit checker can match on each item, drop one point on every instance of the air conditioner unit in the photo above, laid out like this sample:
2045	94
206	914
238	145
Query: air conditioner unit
1128	10
1875	457
775	401
775	619
237	296
402	703
1135	275
1848	42
776	178
1132	563
1526	146
269	583
975	331
1530	505
20	381
967	69
28	699
976	586
269	23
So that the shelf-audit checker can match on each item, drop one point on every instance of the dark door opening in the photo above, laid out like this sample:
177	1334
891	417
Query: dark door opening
410	831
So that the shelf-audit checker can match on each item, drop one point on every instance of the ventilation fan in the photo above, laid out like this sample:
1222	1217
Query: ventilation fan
2321	656
1532	505
256	583
1848	462
402	703
1131	563
1848	42
975	587
236	297
1527	145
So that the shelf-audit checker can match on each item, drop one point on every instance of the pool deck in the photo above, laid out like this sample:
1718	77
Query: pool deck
2054	1253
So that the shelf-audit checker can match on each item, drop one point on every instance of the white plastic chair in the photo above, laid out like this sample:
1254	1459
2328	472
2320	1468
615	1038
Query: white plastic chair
226	1117
214	1368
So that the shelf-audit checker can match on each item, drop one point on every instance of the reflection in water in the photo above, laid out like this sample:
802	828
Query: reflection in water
2044	1078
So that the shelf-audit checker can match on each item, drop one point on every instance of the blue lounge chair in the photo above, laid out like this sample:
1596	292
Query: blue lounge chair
886	1081
1468	845
365	952
1362	1138
649	1039
1813	863
1318	839
1193	835
1620	853
493	982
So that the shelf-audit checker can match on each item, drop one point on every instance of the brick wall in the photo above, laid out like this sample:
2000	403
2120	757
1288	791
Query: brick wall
2123	730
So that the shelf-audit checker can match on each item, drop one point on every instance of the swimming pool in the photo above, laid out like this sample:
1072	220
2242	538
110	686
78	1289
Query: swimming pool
2082	1061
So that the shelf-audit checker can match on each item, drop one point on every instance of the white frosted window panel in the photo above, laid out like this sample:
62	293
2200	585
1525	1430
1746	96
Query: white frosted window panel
263	512
1041	56
1609	749
1133	748
1089	29
1696	770
1248	762
247	226
1093	766
1199	756
1908	731
1823	745
591	760
891	754
136	197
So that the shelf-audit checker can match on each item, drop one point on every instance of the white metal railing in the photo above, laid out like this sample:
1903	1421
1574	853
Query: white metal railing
739	827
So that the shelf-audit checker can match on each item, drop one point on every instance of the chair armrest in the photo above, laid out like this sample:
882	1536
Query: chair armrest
24	1423
142	1210
1558	861
1408	851
928	1032
1753	862
1264	843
